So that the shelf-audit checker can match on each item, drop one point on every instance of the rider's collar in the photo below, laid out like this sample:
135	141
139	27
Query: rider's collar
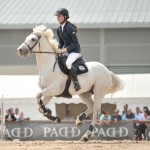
62	25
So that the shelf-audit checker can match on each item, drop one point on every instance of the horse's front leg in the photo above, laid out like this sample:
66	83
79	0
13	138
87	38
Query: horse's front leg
46	111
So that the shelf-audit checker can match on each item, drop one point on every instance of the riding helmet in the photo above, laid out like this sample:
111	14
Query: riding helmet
62	11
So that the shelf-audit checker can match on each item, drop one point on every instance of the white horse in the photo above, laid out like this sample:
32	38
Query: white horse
98	81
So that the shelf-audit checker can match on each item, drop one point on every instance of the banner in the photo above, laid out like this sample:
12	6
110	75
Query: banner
45	130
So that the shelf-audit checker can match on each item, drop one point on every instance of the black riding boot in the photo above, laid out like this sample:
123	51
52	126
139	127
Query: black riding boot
74	78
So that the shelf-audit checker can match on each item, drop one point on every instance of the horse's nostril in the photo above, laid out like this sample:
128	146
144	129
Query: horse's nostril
20	50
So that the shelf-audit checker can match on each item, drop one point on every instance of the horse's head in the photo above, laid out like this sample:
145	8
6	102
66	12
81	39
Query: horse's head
35	41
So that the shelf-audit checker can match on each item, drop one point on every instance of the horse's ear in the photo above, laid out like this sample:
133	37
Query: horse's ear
40	28
35	28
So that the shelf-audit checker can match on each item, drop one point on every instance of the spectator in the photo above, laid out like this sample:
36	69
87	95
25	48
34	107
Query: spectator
145	108
21	117
138	114
147	124
68	116
116	117
147	114
16	114
140	127
1	117
12	110
125	108
129	115
9	117
105	118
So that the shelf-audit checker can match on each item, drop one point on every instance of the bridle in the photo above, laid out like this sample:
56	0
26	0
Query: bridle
30	48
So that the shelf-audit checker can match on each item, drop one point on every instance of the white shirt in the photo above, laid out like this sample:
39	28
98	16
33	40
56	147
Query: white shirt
140	116
62	26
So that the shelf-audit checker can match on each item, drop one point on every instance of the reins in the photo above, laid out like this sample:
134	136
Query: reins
46	52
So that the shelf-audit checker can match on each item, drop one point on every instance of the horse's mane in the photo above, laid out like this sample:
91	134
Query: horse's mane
49	34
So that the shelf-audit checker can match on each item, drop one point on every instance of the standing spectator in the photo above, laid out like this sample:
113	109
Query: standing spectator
129	115
9	117
147	118
147	114
1	117
140	127
69	116
116	117
138	114
125	108
145	108
105	118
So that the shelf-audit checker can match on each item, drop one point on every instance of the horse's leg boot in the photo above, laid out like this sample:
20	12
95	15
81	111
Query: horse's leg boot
74	78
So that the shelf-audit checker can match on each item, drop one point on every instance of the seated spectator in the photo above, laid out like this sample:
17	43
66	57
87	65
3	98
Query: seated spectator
105	118
68	116
9	117
125	108
21	117
116	117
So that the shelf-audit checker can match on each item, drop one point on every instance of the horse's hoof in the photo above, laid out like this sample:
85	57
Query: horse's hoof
58	119
79	125
84	139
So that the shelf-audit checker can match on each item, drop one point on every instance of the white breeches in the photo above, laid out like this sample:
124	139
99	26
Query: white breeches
72	57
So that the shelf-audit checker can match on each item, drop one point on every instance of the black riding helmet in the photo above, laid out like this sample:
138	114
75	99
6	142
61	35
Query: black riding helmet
62	11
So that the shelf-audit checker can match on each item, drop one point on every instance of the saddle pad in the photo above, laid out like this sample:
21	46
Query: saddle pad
82	68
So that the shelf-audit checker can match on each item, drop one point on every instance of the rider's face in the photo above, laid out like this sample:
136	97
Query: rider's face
60	18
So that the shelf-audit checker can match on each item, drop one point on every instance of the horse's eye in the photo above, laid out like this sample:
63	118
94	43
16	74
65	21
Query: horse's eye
33	39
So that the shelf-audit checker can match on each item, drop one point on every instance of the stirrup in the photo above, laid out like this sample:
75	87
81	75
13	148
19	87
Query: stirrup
77	86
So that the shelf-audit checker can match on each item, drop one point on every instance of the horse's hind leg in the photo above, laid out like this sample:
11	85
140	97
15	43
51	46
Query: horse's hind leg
46	111
87	99
98	97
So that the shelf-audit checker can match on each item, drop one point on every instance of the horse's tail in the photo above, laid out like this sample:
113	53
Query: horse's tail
117	84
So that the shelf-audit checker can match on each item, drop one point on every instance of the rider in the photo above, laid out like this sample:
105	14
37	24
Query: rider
68	43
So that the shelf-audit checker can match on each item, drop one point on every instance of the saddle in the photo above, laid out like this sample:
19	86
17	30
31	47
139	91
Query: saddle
79	65
80	68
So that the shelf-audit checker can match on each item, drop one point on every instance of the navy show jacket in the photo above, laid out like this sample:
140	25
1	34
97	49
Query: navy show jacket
68	38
